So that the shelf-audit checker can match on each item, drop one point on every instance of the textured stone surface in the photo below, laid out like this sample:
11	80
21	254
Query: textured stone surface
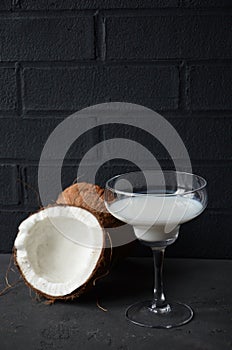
26	322
162	37
46	38
82	85
210	87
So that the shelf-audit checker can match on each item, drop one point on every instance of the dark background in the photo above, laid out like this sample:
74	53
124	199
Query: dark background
173	56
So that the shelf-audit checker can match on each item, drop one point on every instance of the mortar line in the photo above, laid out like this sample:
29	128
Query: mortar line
19	88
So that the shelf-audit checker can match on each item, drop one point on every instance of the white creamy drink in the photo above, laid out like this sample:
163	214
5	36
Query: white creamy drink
156	218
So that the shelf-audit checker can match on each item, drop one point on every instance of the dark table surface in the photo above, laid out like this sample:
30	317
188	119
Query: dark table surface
206	285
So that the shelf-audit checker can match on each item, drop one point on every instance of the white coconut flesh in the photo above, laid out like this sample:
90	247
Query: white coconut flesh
58	248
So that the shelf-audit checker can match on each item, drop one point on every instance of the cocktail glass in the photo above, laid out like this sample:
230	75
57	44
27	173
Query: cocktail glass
156	203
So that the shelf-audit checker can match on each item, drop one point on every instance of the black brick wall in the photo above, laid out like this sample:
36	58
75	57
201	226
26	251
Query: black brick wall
45	37
112	82
174	56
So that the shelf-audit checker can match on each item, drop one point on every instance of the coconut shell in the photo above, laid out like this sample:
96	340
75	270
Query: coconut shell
102	268
81	194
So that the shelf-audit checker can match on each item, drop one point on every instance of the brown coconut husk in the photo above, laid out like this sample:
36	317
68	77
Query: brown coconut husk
82	193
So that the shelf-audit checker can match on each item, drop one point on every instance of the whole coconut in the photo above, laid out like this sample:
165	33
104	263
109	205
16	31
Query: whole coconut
89	197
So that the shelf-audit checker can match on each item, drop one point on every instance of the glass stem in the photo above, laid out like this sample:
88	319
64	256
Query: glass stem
159	303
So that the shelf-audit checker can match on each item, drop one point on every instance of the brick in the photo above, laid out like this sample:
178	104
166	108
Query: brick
202	138
137	154
210	87
167	37
9	185
205	3
25	139
206	236
46	38
218	184
94	4
68	176
9	222
8	99
205	138
31	188
75	88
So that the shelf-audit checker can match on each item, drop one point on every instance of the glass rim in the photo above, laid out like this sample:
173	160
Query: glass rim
107	186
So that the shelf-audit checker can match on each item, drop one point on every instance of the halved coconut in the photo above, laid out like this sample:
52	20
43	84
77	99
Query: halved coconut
53	265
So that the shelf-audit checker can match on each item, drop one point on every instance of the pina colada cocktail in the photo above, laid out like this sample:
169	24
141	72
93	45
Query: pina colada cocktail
156	218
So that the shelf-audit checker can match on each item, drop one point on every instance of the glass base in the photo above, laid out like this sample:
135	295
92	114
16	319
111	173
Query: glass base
143	315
